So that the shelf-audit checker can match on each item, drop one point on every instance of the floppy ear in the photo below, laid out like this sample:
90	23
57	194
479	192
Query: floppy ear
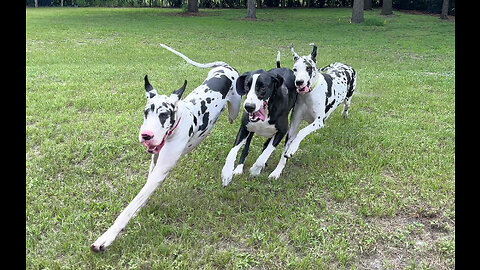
313	55
179	91
294	54
150	92
277	80
240	84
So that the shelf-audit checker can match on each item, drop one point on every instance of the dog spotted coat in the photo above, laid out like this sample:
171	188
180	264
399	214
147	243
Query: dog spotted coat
320	93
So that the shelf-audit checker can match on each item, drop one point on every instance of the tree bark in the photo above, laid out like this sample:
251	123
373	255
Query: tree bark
357	11
192	6
444	15
251	10
386	7
367	5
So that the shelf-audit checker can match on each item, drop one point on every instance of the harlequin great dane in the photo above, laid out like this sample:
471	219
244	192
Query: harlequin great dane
319	95
271	96
173	127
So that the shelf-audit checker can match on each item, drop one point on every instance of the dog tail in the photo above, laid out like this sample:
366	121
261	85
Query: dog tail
191	62
278	59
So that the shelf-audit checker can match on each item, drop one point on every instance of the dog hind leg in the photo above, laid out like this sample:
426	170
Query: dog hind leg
346	106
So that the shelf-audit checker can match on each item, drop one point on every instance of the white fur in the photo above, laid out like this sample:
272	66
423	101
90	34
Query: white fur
252	96
180	141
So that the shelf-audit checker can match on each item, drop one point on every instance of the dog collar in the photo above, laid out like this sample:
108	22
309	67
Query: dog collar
313	87
176	125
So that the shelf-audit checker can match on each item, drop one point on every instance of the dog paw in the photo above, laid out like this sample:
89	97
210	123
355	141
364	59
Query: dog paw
255	170
345	114
291	150
238	170
226	179
103	242
275	174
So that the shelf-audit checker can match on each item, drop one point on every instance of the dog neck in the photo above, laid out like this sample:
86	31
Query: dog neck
314	84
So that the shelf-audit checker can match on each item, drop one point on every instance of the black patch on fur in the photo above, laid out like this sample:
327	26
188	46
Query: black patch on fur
195	120
329	106
163	118
203	107
205	122
172	118
190	132
328	79
221	84
350	83
209	100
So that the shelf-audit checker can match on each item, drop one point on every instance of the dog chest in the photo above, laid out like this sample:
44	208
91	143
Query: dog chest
262	128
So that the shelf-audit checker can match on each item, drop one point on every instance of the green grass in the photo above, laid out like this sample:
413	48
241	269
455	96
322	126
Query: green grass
376	190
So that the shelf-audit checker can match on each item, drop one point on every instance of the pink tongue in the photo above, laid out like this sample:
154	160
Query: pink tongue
260	114
304	90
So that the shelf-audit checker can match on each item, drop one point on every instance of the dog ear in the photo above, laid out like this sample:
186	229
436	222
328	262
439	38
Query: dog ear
240	84
294	54
313	55
150	92
277	80
179	91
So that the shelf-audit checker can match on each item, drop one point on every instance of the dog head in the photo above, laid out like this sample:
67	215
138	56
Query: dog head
259	86
160	117
305	69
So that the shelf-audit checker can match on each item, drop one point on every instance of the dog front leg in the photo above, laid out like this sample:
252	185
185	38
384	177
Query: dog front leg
155	178
153	163
293	146
262	159
297	117
227	171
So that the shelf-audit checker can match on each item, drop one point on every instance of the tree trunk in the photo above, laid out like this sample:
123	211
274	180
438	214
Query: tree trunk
357	11
251	10
36	3
367	5
444	15
192	6
386	7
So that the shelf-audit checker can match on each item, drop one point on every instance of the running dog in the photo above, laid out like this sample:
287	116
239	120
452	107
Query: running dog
319	95
270	97
173	127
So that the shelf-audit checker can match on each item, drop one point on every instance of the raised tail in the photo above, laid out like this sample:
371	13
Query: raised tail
191	62
278	59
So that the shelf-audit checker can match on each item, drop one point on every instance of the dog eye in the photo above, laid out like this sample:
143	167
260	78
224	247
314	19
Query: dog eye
164	115
294	70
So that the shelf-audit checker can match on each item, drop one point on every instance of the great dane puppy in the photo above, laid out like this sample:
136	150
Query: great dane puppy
173	127
319	95
271	96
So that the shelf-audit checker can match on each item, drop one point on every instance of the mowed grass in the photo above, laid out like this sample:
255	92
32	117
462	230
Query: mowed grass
374	191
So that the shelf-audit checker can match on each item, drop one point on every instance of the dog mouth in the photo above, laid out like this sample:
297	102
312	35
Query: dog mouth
303	89
258	115
154	149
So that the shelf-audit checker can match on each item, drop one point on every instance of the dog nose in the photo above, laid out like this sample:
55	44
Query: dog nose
147	135
299	82
249	107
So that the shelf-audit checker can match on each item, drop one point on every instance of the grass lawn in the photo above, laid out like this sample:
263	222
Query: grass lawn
374	191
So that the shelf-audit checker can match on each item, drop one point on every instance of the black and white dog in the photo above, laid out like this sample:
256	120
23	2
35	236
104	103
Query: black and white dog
319	95
270	97
173	127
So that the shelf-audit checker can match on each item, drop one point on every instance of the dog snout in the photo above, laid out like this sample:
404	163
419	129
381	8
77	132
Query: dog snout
299	83
249	107
147	135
